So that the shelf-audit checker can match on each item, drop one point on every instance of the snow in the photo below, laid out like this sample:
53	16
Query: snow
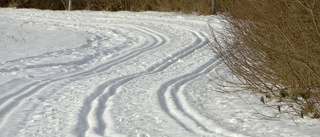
89	73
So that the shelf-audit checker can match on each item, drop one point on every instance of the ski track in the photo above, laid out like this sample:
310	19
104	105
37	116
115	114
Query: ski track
175	83
175	104
85	111
8	103
108	89
94	116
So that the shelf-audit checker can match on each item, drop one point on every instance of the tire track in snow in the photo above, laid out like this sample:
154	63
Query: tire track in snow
93	43
96	123
174	104
164	90
39	18
27	87
66	51
12	101
95	119
8	102
179	102
113	87
82	49
159	40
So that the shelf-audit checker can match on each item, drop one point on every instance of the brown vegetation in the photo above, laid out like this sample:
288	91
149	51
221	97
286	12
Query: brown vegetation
276	50
188	6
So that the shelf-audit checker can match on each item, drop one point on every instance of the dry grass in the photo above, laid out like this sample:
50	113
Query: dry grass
276	51
188	6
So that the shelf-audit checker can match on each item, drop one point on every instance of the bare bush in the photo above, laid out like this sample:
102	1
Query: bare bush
276	51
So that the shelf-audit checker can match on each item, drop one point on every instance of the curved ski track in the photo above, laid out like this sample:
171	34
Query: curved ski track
10	102
93	116
175	104
99	98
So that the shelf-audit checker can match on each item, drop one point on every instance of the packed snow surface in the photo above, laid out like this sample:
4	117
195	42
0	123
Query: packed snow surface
92	74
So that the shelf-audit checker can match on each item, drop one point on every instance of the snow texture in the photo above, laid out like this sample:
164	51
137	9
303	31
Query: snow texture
93	74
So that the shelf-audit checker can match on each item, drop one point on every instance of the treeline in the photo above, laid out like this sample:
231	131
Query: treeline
188	6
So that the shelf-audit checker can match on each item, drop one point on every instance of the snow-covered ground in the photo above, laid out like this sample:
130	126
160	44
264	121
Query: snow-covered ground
85	73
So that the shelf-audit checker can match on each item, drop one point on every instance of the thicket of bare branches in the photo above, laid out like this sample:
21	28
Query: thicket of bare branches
275	50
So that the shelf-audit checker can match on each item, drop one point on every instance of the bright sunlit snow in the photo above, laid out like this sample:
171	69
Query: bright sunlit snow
92	74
